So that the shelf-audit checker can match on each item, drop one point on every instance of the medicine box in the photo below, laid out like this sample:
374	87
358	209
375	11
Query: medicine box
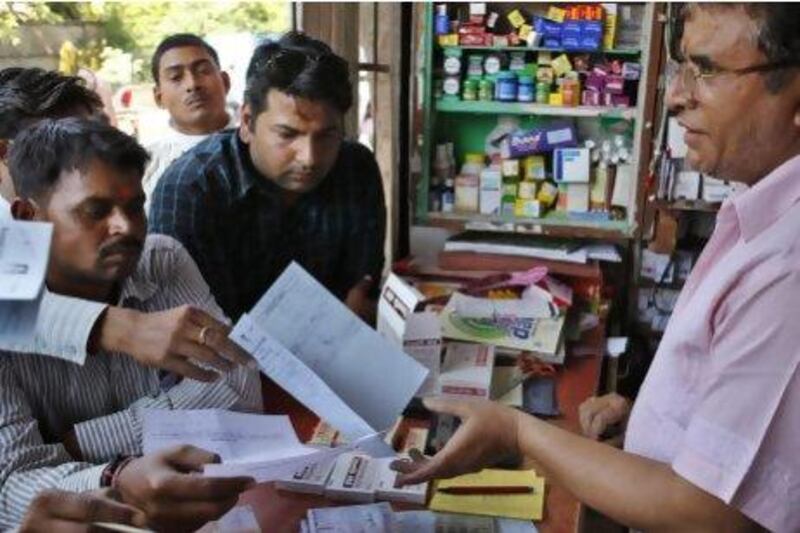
467	370
571	165
353	479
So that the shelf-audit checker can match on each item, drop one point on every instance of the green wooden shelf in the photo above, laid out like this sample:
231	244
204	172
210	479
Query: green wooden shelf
451	105
554	223
616	52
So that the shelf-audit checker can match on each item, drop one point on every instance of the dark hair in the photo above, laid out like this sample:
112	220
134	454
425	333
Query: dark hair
179	40
298	66
41	153
31	94
778	35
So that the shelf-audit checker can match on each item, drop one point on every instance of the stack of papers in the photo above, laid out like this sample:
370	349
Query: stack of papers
24	254
264	447
516	244
522	245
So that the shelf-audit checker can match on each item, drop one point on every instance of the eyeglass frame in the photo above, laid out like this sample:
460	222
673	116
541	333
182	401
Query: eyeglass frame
678	66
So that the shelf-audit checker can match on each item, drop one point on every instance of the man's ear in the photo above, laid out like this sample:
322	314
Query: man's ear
24	209
157	95
246	122
226	81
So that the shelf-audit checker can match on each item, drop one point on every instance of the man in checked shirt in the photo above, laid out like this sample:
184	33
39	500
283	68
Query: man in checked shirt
78	428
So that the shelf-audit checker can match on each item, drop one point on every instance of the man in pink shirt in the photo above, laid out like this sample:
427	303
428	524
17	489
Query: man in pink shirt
712	440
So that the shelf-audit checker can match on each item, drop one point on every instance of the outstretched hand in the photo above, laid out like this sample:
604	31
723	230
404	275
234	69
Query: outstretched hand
488	433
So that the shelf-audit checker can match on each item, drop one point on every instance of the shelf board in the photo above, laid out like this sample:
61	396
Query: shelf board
646	283
616	52
553	224
447	105
686	205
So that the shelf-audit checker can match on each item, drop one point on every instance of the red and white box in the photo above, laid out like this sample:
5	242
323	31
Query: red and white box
467	370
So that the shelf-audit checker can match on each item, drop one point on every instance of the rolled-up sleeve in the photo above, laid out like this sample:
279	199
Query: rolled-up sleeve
63	327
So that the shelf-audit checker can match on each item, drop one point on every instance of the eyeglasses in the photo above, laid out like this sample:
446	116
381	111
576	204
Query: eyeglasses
692	76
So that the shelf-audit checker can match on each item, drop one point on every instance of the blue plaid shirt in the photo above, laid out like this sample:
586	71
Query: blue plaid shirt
234	224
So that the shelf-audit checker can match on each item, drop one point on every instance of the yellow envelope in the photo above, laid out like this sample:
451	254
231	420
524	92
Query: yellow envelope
528	506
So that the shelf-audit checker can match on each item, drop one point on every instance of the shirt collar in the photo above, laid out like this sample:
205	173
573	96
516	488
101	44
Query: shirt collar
766	201
138	288
245	173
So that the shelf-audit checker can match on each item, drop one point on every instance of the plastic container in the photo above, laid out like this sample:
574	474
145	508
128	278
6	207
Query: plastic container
475	66
448	196
442	21
525	89
470	91
451	86
542	92
435	198
473	164
517	61
493	64
506	87
485	90
467	193
452	62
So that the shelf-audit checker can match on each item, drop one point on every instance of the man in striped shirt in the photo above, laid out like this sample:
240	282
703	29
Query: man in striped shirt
72	328
62	425
285	187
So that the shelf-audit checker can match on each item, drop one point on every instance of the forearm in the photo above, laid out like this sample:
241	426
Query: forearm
22	486
112	330
633	490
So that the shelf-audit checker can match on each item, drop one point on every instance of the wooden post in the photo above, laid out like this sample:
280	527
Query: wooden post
337	25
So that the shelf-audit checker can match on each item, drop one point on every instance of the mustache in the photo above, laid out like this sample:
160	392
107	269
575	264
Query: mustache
125	244
196	97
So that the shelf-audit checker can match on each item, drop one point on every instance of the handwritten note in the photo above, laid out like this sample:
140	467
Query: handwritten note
235	437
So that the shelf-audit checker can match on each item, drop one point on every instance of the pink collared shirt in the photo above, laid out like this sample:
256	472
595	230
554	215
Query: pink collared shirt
721	402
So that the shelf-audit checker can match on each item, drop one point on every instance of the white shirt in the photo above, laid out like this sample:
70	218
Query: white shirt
164	151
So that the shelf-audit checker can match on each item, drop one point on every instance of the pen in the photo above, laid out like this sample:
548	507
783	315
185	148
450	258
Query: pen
488	490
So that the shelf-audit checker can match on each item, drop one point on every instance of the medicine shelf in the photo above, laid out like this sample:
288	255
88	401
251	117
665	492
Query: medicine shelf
451	105
616	52
554	224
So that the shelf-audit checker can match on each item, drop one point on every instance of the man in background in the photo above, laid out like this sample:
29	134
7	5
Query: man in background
285	187
28	95
190	85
